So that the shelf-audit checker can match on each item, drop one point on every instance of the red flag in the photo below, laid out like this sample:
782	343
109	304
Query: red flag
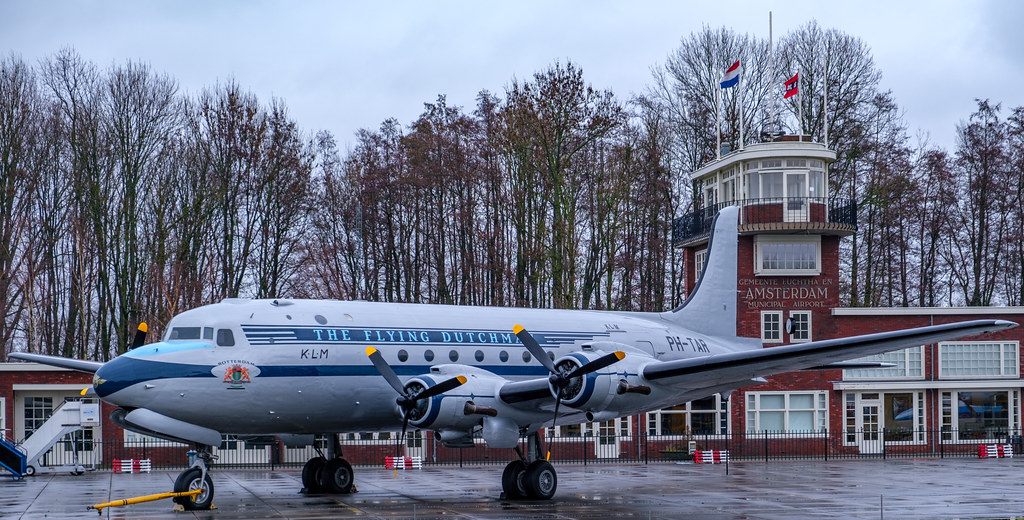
792	86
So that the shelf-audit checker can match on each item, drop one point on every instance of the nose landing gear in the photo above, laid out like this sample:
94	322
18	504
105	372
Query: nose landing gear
196	477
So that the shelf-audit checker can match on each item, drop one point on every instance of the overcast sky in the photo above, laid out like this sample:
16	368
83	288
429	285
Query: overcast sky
342	66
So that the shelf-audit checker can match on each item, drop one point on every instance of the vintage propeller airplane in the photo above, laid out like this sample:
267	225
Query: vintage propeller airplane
304	367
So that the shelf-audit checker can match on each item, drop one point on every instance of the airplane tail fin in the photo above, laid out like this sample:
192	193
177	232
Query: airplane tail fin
711	307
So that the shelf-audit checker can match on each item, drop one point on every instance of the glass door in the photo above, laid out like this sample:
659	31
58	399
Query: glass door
796	197
869	426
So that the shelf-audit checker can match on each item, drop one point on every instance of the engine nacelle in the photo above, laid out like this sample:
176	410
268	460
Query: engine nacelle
616	387
461	408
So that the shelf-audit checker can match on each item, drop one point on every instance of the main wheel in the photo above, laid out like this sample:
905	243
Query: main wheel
192	479
312	475
337	476
512	480
540	480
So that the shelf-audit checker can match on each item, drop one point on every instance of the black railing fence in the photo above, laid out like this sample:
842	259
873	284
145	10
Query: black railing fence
637	448
811	212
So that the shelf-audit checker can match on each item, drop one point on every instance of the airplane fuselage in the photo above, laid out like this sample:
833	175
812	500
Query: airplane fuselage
298	366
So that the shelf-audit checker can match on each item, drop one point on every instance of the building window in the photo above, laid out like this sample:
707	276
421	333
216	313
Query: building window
979	415
698	263
37	411
787	412
771	326
708	416
799	326
899	415
606	431
789	255
961	359
909	365
139	440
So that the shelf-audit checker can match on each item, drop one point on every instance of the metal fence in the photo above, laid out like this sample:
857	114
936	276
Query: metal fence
371	449
812	212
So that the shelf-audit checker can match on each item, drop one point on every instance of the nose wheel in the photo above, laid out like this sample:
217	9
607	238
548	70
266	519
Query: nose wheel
196	477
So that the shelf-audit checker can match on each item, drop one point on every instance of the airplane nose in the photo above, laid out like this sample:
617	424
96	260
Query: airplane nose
114	375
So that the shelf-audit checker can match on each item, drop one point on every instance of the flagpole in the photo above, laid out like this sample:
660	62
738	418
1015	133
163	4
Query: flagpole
718	121
771	75
739	103
824	108
800	104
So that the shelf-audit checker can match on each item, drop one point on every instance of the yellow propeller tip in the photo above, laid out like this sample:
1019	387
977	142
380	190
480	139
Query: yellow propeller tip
370	351
143	327
462	380
620	354
84	390
517	329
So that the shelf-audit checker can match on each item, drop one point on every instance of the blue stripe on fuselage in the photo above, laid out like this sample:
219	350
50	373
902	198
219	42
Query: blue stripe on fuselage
123	372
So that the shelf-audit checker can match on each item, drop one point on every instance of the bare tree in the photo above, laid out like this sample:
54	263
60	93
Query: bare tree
981	215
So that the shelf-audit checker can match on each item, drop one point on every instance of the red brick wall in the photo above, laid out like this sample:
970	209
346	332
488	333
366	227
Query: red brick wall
43	377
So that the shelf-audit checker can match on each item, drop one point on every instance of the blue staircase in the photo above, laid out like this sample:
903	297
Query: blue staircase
12	458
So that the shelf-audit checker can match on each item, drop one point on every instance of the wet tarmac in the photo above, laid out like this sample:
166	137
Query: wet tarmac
892	489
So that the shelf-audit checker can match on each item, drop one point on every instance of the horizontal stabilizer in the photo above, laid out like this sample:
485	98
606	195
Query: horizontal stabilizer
56	361
745	365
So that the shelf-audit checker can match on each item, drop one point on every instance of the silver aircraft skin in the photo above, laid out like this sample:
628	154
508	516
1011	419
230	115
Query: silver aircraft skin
299	367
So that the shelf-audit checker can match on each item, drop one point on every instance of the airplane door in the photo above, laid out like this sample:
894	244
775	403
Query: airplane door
869	434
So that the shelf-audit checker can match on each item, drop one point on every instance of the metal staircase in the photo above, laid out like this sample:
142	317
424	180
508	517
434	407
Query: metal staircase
12	457
69	417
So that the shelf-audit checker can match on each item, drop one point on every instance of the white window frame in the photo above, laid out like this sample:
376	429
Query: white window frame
905	359
699	258
754	410
950	429
918	422
133	439
761	240
792	336
722	413
1008	353
764	331
3	419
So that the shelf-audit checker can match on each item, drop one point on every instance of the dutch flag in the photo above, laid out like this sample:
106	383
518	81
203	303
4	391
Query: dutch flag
732	76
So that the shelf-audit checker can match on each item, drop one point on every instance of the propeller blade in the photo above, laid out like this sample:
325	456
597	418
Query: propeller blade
401	438
385	370
597	364
558	403
531	345
440	388
140	336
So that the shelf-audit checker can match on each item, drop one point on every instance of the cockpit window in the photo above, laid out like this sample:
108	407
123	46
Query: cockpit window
225	338
184	333
207	332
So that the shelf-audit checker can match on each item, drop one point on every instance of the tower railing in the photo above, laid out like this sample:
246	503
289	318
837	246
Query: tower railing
771	214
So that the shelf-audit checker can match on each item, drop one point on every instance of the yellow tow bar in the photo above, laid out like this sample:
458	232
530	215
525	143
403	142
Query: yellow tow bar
147	498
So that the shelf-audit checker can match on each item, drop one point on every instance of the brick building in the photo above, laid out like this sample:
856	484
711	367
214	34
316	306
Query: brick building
790	230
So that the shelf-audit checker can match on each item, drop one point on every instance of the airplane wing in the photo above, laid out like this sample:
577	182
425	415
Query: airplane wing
73	364
745	365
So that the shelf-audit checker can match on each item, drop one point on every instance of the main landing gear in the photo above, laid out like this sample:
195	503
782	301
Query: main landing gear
330	474
197	476
526	479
